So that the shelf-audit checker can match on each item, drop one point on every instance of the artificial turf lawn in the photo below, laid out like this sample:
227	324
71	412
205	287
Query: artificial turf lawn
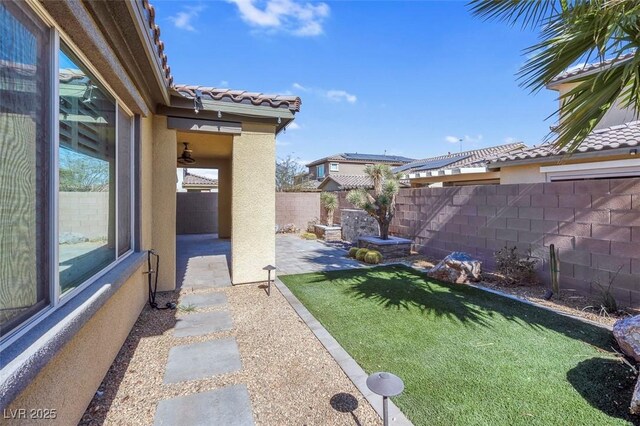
468	356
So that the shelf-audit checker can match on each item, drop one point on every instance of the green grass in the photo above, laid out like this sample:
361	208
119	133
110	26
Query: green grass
468	356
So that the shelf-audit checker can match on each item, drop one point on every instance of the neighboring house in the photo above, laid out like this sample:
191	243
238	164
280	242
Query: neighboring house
195	183
350	164
610	150
88	100
345	183
455	169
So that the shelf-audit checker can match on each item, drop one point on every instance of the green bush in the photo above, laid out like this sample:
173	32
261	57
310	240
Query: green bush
361	253
309	236
373	257
353	251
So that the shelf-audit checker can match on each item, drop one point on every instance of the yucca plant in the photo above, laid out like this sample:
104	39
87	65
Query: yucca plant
381	205
573	32
329	202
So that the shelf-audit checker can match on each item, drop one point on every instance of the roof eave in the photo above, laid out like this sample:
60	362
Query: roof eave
560	157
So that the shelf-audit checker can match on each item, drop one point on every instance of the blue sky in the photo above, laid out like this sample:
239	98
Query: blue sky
374	76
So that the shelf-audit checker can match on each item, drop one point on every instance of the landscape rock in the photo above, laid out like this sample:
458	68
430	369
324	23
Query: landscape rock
627	334
634	408
458	267
72	238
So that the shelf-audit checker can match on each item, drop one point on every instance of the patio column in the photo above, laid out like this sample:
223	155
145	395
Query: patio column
164	201
253	203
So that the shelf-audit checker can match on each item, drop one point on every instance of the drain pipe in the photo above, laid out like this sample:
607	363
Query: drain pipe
153	287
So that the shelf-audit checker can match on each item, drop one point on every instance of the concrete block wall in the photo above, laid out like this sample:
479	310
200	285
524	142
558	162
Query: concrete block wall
85	213
595	224
197	213
298	208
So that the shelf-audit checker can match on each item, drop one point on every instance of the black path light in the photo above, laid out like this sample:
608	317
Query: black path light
385	384
269	268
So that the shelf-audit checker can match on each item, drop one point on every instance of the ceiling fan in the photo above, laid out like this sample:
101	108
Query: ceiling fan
185	157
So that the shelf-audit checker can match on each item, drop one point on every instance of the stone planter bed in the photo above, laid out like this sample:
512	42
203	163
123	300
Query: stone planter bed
328	233
391	248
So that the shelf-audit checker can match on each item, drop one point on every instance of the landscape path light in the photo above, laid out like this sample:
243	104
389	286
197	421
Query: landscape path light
385	384
269	268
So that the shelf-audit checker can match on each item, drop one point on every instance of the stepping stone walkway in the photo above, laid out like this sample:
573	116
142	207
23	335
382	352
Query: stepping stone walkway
200	361
201	323
228	406
207	272
204	300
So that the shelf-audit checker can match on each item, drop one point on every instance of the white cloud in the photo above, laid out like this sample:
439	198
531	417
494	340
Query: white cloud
300	87
282	143
184	18
341	95
293	126
302	19
465	139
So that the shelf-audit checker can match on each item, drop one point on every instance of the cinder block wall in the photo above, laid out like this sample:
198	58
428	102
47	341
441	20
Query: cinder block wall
197	213
298	208
594	224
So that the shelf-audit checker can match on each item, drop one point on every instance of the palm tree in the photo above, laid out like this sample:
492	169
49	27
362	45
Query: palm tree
382	204
571	32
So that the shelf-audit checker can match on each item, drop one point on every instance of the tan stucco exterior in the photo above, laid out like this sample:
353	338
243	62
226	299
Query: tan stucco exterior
165	153
530	173
68	382
457	179
253	206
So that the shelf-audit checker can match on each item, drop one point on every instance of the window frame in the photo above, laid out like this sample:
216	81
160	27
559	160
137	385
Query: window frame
56	299
332	169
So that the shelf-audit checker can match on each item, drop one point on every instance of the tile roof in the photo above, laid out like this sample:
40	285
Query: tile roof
154	29
239	96
472	158
191	179
587	68
353	181
619	136
354	157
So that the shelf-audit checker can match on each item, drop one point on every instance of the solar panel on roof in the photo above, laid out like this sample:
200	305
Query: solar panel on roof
430	164
373	157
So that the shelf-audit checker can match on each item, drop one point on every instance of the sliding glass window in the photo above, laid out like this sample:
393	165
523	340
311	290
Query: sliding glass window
24	164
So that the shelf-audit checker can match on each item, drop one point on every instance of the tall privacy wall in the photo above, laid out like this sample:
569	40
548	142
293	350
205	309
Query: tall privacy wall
298	208
595	225
196	213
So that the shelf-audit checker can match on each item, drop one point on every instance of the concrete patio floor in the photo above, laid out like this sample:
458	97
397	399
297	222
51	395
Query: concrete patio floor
295	255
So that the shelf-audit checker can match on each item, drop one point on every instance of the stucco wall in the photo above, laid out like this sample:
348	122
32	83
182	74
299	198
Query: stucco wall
146	184
224	199
528	173
298	208
164	200
197	213
253	206
68	383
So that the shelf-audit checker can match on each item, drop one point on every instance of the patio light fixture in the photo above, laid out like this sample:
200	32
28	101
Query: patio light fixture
269	268
185	157
385	384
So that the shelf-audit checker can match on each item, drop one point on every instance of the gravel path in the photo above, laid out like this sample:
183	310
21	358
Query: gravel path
292	379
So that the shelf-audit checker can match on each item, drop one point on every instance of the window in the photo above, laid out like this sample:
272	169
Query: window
320	171
24	164
334	167
56	235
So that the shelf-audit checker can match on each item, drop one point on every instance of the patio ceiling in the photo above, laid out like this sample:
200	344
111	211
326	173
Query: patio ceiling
207	147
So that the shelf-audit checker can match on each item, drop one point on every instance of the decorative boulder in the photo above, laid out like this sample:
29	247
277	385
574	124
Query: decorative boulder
634	407
457	268
627	334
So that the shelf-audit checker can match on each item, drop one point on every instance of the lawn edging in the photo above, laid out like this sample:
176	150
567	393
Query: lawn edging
354	372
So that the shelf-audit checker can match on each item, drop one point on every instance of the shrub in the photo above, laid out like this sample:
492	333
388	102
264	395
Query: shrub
309	236
329	202
352	252
361	253
373	257
515	268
